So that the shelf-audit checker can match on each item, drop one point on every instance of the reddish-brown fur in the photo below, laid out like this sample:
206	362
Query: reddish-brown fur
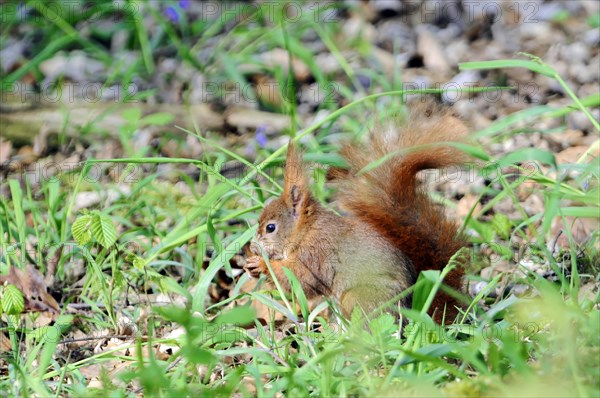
394	231
392	201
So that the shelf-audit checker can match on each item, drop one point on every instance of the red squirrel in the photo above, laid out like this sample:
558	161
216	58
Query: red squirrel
392	230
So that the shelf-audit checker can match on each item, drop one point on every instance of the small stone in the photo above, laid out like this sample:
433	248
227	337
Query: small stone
119	40
582	73
457	51
433	54
76	66
356	27
520	290
547	11
592	37
450	33
579	121
327	63
465	80
11	54
576	52
538	30
278	57
396	37
387	7
487	273
384	59
478	287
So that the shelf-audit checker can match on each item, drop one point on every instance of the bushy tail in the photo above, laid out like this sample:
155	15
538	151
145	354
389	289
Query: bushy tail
389	196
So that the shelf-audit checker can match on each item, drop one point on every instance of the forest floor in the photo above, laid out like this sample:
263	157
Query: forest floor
139	141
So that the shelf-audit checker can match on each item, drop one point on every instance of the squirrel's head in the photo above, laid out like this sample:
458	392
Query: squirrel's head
284	217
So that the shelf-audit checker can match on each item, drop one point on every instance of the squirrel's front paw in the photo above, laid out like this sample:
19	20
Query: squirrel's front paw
255	265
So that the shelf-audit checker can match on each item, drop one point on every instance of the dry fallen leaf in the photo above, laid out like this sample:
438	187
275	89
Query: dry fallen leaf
581	229
4	343
465	204
267	90
5	149
572	154
31	283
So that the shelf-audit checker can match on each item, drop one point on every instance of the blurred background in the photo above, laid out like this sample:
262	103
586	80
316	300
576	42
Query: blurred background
70	70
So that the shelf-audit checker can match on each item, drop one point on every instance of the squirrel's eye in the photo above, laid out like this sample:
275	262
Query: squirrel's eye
270	228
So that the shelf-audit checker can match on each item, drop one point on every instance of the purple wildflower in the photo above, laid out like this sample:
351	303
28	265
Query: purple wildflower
364	80
261	137
171	13
174	12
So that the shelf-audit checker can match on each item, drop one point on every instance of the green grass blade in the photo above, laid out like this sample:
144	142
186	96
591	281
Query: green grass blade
17	202
508	63
216	264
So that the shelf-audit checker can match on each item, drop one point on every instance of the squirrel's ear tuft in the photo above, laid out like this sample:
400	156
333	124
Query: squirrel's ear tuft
293	158
295	190
294	169
297	200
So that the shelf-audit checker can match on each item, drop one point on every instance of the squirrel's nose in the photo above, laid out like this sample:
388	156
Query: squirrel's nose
255	248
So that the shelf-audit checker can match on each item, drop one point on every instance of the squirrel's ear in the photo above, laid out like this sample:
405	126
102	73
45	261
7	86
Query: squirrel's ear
295	190
297	200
